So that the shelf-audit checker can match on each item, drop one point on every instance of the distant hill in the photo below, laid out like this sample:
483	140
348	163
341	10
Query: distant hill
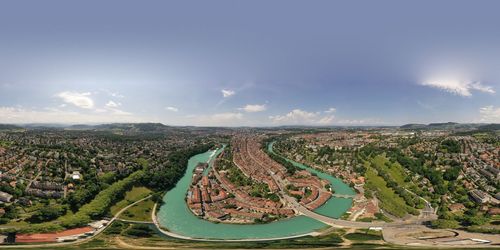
452	126
81	127
138	127
42	125
490	127
129	127
9	127
413	126
443	124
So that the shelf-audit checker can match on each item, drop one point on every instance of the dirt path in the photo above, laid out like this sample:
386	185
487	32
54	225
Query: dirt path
125	245
425	237
77	241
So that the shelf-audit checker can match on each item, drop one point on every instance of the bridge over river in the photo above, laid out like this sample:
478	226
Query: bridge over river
345	196
176	220
427	216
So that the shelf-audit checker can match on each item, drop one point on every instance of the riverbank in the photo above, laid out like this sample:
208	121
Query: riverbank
175	216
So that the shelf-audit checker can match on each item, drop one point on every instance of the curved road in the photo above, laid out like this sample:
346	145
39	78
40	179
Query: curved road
337	223
178	236
79	240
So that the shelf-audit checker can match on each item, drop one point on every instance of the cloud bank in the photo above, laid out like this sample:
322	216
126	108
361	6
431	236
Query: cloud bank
254	108
227	93
173	109
81	100
458	87
490	114
301	117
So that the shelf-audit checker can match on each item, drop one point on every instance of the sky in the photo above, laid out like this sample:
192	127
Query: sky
249	63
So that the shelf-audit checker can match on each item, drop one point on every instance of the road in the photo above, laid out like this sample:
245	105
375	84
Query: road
36	177
345	196
79	241
178	236
352	224
338	223
428	210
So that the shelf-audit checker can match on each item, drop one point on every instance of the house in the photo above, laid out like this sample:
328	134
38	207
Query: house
478	196
76	175
494	211
5	197
24	201
456	207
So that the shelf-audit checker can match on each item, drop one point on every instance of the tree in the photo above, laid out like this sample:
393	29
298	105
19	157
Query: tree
475	220
47	213
139	230
442	223
451	174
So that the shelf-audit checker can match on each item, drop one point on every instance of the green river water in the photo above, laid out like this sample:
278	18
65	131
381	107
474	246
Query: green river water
175	216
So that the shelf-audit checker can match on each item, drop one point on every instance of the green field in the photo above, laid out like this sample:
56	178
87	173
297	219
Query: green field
131	196
139	212
395	170
389	200
364	235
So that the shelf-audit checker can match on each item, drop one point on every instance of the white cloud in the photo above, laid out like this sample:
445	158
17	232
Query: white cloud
81	100
116	94
111	93
368	121
112	104
173	109
112	107
52	115
330	110
227	93
300	117
490	114
120	112
254	108
458	87
326	120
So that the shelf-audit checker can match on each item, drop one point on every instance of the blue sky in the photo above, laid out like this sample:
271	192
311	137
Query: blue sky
254	63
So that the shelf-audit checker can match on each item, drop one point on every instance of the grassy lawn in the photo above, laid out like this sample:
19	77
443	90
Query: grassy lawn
364	235
131	196
389	200
393	169
5	144
139	212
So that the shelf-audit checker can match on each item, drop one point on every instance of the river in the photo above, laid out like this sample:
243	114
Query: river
175	216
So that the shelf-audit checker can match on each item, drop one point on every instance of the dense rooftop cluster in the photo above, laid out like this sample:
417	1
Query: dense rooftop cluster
66	168
244	185
395	171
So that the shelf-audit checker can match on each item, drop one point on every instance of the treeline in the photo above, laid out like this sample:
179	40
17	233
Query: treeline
96	209
415	165
99	206
411	200
157	178
290	168
450	146
164	177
